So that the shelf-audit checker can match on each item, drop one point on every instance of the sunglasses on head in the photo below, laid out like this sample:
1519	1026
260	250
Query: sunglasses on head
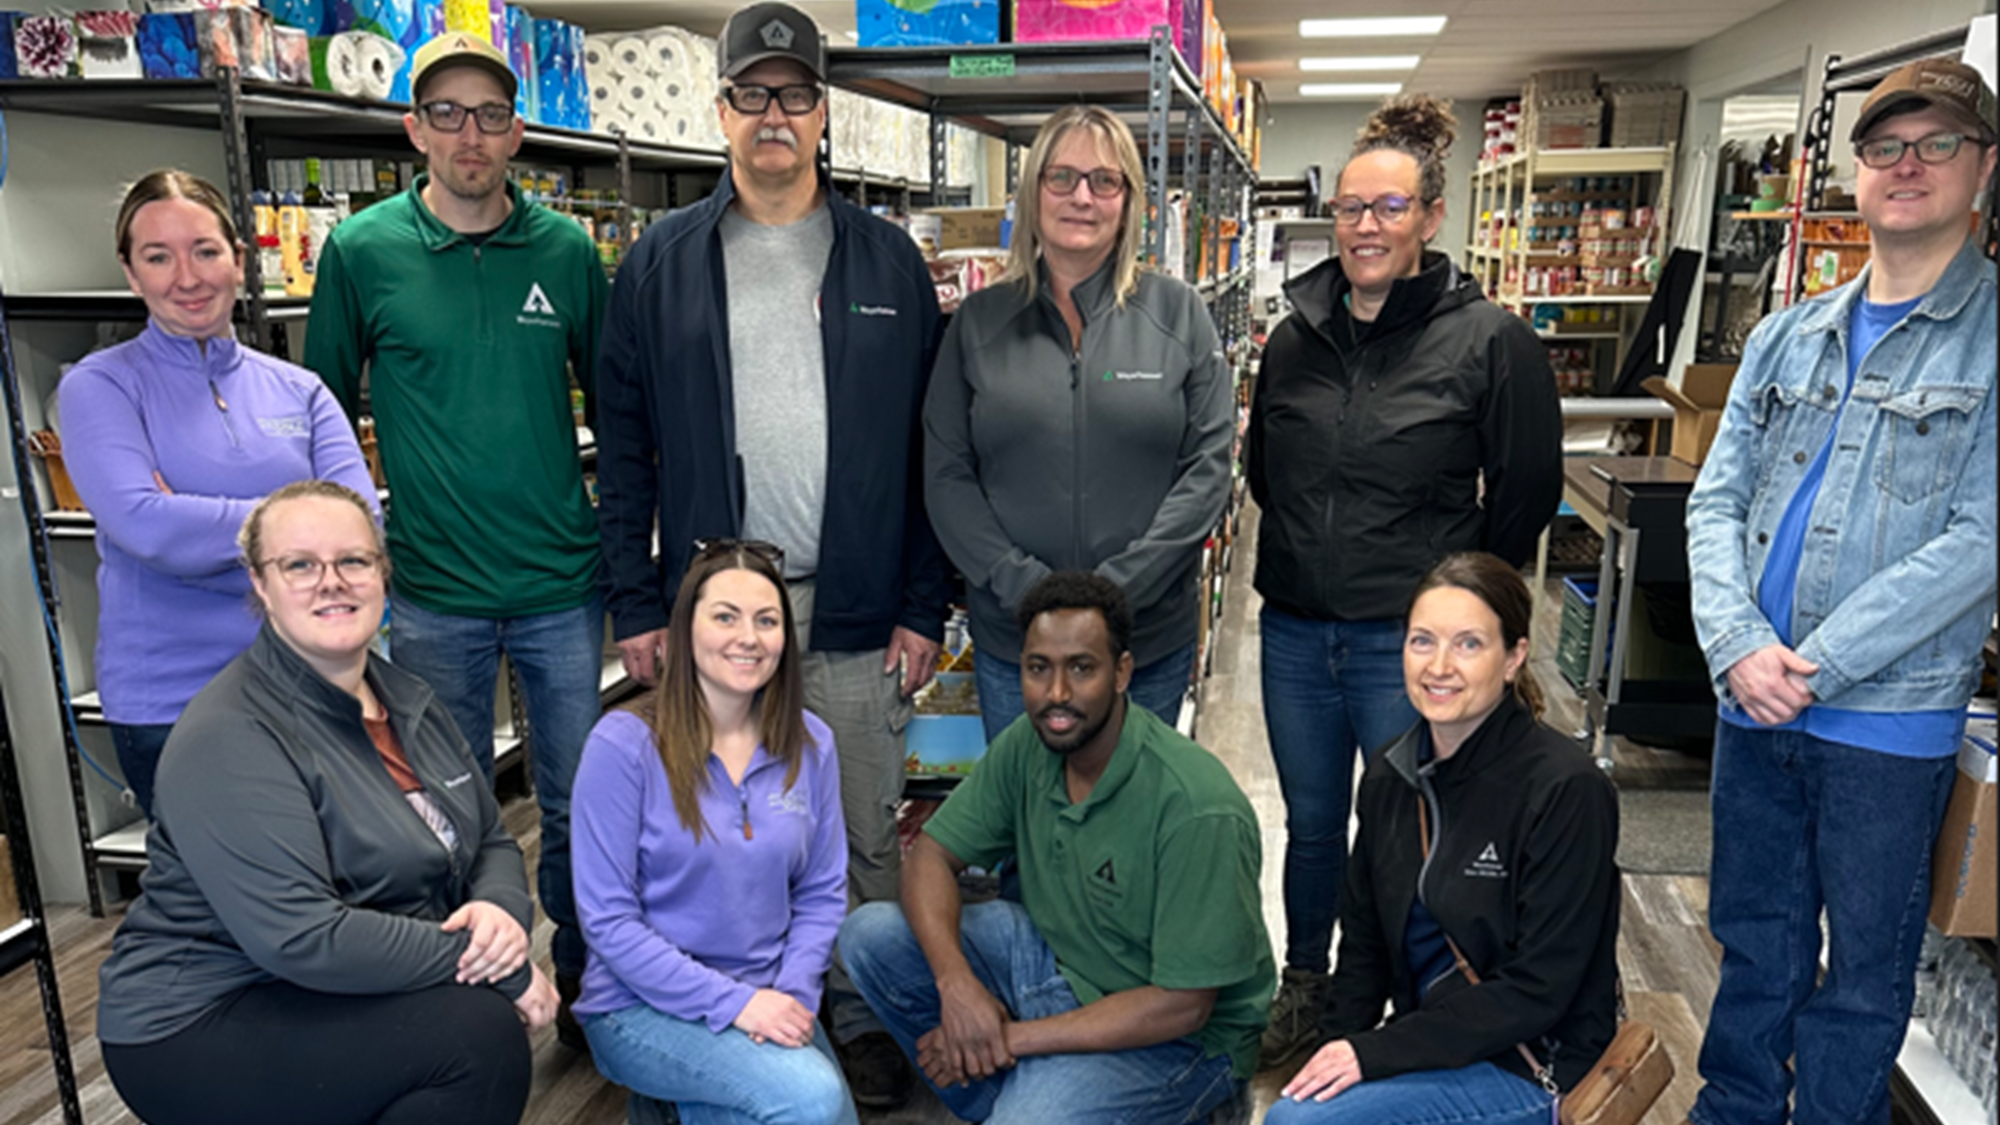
758	548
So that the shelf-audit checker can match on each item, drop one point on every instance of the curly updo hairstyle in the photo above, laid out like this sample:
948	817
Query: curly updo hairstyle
1420	127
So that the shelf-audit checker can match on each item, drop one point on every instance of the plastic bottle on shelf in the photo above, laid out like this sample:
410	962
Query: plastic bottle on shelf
270	254
292	236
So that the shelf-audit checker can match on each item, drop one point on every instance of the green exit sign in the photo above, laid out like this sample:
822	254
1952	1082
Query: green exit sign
982	66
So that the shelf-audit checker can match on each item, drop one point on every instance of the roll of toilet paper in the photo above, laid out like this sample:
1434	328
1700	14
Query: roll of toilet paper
597	51
336	62
629	54
379	59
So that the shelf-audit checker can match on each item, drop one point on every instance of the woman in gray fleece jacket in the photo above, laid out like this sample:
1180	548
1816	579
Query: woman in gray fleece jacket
333	924
1079	418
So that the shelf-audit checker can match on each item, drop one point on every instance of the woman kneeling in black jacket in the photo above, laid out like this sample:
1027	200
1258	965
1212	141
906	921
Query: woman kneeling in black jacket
1484	830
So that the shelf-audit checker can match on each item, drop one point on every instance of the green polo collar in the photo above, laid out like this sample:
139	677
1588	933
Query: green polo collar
437	236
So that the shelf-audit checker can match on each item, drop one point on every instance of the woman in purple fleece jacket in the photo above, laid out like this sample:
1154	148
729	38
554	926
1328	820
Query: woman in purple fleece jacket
711	865
171	439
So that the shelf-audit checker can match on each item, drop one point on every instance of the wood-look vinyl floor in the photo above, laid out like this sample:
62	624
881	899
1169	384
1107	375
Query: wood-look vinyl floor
1664	949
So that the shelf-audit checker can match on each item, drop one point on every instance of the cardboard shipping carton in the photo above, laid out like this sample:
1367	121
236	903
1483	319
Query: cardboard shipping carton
968	228
1697	404
1963	868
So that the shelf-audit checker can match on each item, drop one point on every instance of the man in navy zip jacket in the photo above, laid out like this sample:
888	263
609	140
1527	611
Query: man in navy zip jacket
762	376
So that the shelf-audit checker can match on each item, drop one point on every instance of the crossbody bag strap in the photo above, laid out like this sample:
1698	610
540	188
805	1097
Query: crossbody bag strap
1545	1075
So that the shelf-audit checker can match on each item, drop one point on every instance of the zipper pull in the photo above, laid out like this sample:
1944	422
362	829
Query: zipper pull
743	802
216	393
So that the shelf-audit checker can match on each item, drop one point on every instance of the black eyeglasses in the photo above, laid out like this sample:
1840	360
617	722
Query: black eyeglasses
304	572
1064	180
758	548
1388	210
449	117
796	101
1887	152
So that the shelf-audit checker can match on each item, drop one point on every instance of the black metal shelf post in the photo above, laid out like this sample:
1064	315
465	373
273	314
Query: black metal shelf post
29	940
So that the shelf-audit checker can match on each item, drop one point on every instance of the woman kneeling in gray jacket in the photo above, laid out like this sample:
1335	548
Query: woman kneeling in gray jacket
1079	418
333	921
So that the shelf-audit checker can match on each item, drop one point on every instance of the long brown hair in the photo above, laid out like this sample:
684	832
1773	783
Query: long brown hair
677	712
1505	592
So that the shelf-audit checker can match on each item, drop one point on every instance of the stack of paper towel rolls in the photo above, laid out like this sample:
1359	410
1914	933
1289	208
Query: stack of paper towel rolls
656	86
894	142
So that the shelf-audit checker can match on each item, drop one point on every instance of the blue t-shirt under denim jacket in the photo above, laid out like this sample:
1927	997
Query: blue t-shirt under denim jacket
1848	505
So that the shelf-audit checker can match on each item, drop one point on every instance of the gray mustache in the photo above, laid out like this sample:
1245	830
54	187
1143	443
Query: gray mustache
780	134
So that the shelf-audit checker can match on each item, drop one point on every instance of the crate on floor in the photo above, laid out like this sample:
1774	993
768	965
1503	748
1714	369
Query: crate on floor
1579	615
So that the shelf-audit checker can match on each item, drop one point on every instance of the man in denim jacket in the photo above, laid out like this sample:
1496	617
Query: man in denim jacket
1841	545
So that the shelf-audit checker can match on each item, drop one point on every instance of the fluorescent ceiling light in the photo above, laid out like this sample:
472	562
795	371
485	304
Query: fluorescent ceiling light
1362	62
1386	25
1349	89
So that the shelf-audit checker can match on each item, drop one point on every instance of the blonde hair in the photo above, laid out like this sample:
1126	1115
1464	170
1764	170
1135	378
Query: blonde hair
250	537
1024	256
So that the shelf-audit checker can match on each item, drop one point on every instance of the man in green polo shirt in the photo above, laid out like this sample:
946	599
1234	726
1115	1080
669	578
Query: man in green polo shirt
471	309
1131	981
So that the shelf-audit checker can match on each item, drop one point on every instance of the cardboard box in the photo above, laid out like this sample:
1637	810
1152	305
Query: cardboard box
10	903
1697	404
1964	868
968	228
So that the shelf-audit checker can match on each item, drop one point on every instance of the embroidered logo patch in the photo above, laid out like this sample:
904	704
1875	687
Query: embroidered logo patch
1488	865
285	425
777	36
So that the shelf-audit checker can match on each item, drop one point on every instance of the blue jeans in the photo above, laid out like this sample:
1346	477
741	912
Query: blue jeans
560	657
1480	1094
1158	1085
1802	824
138	746
1330	688
1159	687
718	1079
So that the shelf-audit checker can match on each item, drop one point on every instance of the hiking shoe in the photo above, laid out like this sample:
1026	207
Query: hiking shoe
1295	1011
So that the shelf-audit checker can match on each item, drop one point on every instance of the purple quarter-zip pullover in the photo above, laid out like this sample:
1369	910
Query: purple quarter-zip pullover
223	427
694	929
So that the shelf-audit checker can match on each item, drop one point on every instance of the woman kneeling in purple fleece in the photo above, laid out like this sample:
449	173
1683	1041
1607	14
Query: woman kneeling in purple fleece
710	860
172	438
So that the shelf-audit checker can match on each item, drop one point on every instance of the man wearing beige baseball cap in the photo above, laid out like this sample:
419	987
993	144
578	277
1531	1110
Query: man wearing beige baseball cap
1840	548
472	308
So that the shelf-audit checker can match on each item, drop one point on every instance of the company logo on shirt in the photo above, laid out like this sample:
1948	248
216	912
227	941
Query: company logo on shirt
790	801
1133	376
870	310
1106	873
1488	865
285	425
538	310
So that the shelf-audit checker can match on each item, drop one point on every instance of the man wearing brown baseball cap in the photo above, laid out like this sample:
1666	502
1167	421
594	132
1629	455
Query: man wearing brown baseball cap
1840	549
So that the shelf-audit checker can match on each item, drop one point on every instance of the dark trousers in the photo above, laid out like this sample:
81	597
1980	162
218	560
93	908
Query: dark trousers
451	1054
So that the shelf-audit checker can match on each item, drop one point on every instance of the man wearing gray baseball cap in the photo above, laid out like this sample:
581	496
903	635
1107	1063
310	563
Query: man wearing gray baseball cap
766	355
1840	548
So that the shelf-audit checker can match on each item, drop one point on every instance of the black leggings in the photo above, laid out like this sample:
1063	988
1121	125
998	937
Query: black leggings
452	1054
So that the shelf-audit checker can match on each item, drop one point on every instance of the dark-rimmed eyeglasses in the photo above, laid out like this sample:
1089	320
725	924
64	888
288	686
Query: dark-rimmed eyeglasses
1887	152
305	572
1388	210
1064	180
449	117
796	101
758	548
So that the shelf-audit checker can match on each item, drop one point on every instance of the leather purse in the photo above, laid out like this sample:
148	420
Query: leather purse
1627	1078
